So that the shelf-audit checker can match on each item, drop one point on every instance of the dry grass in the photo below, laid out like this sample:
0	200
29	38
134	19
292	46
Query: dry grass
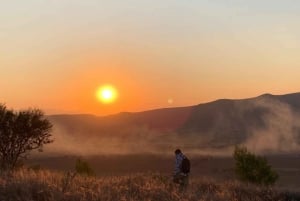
29	185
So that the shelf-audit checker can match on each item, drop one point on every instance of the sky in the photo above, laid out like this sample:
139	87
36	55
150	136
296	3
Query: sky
54	54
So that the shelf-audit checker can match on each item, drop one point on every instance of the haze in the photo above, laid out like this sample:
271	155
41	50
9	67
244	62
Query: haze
55	54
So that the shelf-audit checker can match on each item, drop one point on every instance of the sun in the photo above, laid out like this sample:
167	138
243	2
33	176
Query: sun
107	94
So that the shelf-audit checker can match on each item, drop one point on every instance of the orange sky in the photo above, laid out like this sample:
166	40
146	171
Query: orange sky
55	54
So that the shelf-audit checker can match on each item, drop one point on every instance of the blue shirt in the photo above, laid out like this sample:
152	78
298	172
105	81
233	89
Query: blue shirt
178	160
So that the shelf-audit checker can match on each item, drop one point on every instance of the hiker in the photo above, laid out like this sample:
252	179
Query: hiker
182	169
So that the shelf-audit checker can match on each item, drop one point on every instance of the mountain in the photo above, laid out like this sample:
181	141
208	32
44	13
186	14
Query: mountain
215	125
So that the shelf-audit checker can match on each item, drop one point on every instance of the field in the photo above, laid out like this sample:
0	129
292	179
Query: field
42	185
143	177
208	167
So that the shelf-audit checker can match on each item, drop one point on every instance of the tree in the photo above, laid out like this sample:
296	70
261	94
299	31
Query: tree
252	168
20	133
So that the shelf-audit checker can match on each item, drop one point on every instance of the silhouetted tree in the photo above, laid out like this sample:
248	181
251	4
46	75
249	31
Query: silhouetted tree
252	168
21	132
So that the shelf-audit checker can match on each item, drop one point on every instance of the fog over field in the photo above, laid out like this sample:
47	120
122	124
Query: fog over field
281	132
266	124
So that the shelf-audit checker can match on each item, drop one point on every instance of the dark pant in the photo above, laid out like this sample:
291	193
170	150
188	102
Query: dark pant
182	180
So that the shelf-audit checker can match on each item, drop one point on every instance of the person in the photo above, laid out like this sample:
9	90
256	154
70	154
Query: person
180	176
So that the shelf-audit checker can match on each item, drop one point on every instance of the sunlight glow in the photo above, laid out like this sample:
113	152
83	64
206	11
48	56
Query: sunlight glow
107	94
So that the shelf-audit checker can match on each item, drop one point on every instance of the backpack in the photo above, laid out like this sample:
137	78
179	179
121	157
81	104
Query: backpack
185	166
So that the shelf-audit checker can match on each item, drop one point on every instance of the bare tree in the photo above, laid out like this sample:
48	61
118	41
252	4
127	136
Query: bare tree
21	132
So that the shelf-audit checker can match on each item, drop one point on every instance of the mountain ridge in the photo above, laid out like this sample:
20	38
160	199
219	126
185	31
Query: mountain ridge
167	108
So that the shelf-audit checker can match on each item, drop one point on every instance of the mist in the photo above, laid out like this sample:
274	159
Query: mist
274	129
282	131
135	140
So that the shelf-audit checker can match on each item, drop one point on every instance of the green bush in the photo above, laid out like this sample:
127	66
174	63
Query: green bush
83	168
252	168
35	167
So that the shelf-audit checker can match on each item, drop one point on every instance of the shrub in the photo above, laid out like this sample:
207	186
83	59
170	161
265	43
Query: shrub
35	167
252	168
83	168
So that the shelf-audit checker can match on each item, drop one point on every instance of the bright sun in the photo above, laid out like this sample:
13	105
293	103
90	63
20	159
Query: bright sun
107	94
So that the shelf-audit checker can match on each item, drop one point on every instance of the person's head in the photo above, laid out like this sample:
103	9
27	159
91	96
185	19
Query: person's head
177	151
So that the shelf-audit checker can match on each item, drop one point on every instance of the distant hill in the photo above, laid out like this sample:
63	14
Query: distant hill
215	125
